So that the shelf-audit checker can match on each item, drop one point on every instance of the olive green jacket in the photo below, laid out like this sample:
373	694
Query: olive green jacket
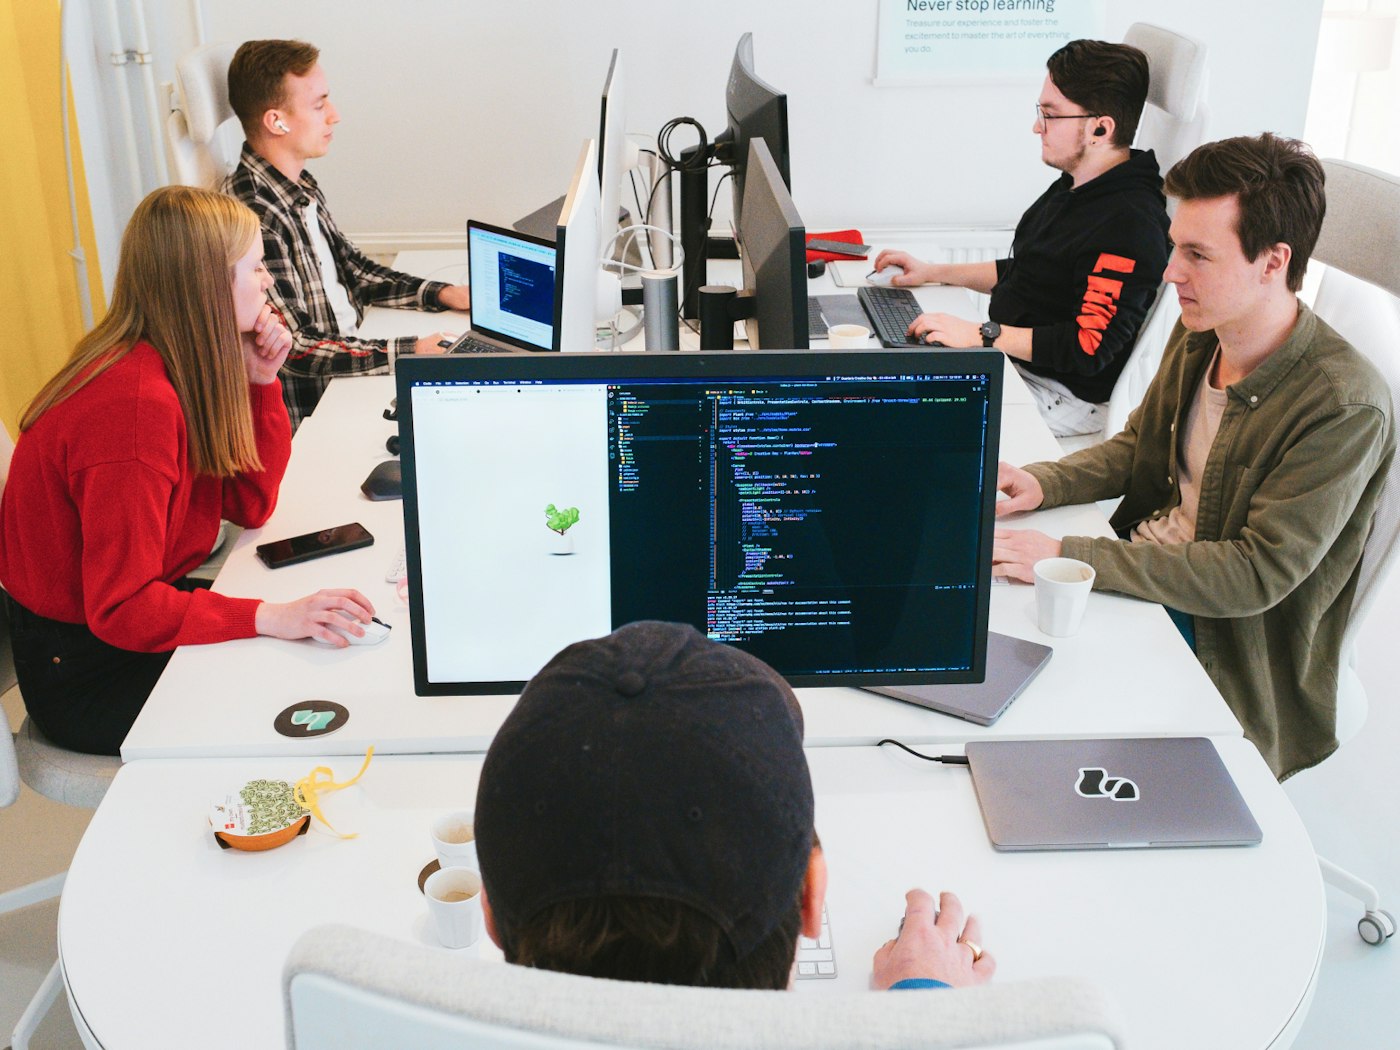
1287	497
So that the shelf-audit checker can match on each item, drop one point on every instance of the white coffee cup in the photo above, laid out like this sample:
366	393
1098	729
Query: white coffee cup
454	901
1062	587
454	839
848	336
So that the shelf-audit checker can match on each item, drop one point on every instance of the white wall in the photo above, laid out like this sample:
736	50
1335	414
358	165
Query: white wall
457	108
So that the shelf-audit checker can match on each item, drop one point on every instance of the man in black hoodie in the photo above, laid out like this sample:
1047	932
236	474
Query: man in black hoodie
1088	256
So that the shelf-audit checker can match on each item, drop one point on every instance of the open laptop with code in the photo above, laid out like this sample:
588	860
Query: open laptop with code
512	279
829	512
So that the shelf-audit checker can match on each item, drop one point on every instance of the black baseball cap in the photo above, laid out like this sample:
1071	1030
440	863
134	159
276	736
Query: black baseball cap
649	763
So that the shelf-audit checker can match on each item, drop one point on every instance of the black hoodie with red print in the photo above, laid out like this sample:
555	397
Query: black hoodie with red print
1085	266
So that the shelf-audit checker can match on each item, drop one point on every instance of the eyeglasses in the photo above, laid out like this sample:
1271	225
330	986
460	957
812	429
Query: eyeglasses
1042	118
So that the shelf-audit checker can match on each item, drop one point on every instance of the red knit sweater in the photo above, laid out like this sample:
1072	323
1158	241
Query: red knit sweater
101	513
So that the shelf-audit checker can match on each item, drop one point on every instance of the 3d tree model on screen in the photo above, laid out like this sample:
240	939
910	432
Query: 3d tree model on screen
561	521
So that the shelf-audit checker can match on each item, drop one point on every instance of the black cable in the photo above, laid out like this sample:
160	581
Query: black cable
951	760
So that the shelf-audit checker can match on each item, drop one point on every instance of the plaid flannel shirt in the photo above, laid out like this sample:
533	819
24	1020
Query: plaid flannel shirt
319	351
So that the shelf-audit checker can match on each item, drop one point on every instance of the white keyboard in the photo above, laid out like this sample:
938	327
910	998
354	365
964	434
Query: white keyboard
815	958
399	569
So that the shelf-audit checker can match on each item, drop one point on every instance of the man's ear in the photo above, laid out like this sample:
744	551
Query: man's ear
274	123
1276	260
489	919
813	893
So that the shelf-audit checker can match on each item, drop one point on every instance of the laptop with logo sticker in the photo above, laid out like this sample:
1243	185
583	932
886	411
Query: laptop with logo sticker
1137	793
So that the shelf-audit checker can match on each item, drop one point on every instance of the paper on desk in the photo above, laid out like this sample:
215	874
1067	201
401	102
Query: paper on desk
849	274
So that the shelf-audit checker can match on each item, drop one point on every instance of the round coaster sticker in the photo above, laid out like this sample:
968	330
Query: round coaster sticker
311	718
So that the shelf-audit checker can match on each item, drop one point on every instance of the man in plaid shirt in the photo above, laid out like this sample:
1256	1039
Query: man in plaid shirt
322	282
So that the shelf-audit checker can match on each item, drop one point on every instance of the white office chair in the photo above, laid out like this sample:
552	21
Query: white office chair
77	780
1360	297
346	989
202	136
1173	124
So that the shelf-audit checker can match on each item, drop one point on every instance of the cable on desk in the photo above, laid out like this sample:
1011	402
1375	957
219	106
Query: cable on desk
950	760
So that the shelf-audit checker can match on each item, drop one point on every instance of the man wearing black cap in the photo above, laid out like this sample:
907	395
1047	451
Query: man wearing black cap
645	813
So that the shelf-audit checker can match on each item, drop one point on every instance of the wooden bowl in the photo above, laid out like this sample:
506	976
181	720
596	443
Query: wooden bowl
267	840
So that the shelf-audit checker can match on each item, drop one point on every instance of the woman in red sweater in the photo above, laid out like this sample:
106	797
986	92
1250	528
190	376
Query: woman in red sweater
168	417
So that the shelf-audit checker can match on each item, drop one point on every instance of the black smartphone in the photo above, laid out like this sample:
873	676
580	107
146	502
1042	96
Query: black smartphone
314	545
855	251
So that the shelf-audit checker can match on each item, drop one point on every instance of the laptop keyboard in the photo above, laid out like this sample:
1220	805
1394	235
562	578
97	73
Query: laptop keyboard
815	958
816	323
891	311
467	344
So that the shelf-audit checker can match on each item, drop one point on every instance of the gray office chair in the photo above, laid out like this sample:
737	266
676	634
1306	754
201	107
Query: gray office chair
64	776
1360	297
1173	124
347	989
202	136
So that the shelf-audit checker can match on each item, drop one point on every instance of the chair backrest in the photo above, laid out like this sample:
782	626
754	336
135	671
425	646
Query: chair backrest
1359	296
1173	124
202	136
351	990
9	765
1174	119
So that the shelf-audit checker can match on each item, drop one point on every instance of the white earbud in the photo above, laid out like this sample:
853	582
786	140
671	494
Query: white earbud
277	123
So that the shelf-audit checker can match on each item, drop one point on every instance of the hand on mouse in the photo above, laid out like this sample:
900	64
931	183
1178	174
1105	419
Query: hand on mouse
936	943
311	617
915	271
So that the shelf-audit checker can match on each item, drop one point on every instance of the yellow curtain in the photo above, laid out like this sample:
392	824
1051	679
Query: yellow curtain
39	304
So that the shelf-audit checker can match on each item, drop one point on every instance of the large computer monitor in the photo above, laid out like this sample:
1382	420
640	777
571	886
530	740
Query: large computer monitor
773	246
612	147
830	513
756	111
576	244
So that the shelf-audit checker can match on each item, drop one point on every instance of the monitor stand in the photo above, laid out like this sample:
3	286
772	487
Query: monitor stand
1011	665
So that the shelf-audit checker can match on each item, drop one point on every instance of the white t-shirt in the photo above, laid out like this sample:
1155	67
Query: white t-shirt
336	295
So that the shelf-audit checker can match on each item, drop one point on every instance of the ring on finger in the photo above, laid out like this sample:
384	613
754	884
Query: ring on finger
974	947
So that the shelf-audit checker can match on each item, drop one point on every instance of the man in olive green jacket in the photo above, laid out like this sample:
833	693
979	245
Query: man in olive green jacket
1251	471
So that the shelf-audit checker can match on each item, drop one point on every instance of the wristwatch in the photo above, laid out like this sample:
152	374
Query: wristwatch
990	332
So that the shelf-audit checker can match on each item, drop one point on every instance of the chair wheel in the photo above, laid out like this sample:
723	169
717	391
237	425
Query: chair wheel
1376	927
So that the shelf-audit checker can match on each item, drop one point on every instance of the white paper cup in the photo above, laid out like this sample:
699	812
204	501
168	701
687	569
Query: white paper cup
454	901
1062	587
848	336
454	839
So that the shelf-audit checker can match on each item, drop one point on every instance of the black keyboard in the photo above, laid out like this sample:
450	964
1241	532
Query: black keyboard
468	345
816	323
891	311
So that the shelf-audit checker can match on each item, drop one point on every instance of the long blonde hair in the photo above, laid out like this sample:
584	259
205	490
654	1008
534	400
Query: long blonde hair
174	290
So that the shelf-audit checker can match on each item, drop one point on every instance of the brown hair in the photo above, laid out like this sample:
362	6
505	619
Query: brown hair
1108	80
257	77
649	939
1280	187
174	290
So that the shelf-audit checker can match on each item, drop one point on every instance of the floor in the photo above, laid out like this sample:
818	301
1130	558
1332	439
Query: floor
1350	805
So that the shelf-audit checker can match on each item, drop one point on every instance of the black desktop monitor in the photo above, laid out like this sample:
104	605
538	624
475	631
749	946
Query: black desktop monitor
612	148
756	111
773	248
830	513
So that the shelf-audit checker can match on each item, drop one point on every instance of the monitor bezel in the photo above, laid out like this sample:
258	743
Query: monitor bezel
594	367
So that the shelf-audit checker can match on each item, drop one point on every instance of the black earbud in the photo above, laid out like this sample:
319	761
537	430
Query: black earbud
392	444
1100	131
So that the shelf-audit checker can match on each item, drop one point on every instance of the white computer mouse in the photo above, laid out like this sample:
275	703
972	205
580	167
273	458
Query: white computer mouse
886	275
375	631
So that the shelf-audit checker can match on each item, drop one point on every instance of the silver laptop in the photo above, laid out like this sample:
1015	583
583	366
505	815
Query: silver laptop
1011	664
513	289
1108	794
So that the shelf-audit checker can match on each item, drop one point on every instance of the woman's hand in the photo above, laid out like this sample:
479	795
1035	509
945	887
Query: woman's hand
312	616
266	347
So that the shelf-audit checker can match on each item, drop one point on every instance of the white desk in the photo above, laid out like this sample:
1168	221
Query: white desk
450	265
1127	673
168	941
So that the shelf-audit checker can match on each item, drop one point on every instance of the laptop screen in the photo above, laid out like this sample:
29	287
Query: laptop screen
830	513
512	282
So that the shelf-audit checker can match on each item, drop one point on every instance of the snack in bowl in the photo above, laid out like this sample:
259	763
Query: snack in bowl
263	814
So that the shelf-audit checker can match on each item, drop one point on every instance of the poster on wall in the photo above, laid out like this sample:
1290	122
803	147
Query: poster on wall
928	41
